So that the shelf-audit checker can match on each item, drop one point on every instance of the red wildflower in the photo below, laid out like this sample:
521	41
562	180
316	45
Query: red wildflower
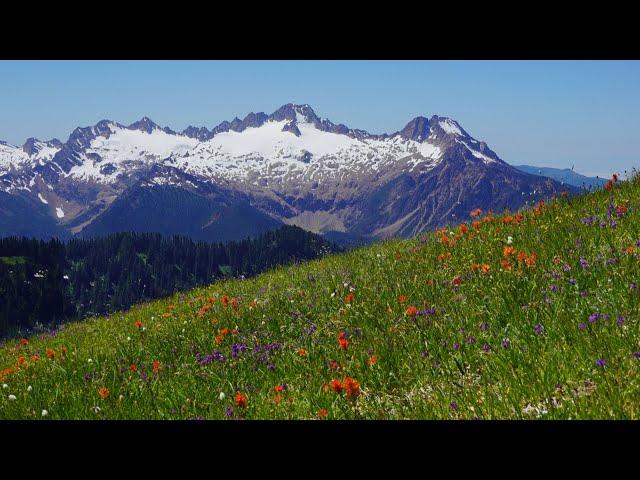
138	324
336	385
411	311
349	297
278	388
133	367
402	298
241	400
352	387
50	354
372	360
333	365
457	281
302	352
24	342
156	366
225	300
475	213
323	413
103	392
344	343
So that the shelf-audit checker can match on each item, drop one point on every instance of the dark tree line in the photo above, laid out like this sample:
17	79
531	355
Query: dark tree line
43	283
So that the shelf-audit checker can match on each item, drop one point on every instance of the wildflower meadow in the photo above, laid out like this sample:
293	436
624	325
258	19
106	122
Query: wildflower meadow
532	314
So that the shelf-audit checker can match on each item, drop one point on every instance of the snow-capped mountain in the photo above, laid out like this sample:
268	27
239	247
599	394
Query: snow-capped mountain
287	167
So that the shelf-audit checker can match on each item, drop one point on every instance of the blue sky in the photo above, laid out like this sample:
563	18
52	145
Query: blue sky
547	113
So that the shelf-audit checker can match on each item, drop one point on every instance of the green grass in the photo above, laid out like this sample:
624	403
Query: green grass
424	363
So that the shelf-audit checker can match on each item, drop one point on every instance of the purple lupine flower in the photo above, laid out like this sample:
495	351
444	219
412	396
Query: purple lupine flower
566	267
453	406
636	354
538	329
484	326
594	317
312	328
456	346
486	347
237	349
582	326
143	376
553	287
471	339
572	281
228	411
424	354
584	293
633	286
555	274
506	343
620	320
601	362
584	263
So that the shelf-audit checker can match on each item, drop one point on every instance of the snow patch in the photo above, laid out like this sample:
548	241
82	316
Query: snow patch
42	199
450	127
59	212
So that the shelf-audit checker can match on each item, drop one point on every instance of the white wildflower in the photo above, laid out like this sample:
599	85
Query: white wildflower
44	413
29	388
509	240
12	397
4	385
128	339
89	360
221	396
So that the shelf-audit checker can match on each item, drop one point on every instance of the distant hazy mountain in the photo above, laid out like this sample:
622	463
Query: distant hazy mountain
246	176
565	175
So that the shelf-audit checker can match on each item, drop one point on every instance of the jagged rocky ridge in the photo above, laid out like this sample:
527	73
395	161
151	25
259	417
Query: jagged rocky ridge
247	176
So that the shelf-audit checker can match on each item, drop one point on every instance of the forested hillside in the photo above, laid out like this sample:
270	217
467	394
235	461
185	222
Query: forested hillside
43	283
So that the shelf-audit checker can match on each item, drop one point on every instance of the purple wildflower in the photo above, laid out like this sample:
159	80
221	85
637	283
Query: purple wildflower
228	411
636	354
237	349
484	326
572	281
582	326
594	317
506	343
633	286
538	329
566	267
554	287
601	362
620	320
584	263
453	406
486	347
456	346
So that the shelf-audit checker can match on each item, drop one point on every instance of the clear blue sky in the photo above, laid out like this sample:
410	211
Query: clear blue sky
554	113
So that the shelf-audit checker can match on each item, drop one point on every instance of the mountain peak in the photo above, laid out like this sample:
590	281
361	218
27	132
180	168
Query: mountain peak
30	147
292	111
145	124
417	129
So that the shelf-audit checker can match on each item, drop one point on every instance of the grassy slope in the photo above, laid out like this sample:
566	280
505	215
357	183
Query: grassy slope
424	363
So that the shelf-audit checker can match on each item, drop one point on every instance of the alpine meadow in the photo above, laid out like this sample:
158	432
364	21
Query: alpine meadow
526	314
